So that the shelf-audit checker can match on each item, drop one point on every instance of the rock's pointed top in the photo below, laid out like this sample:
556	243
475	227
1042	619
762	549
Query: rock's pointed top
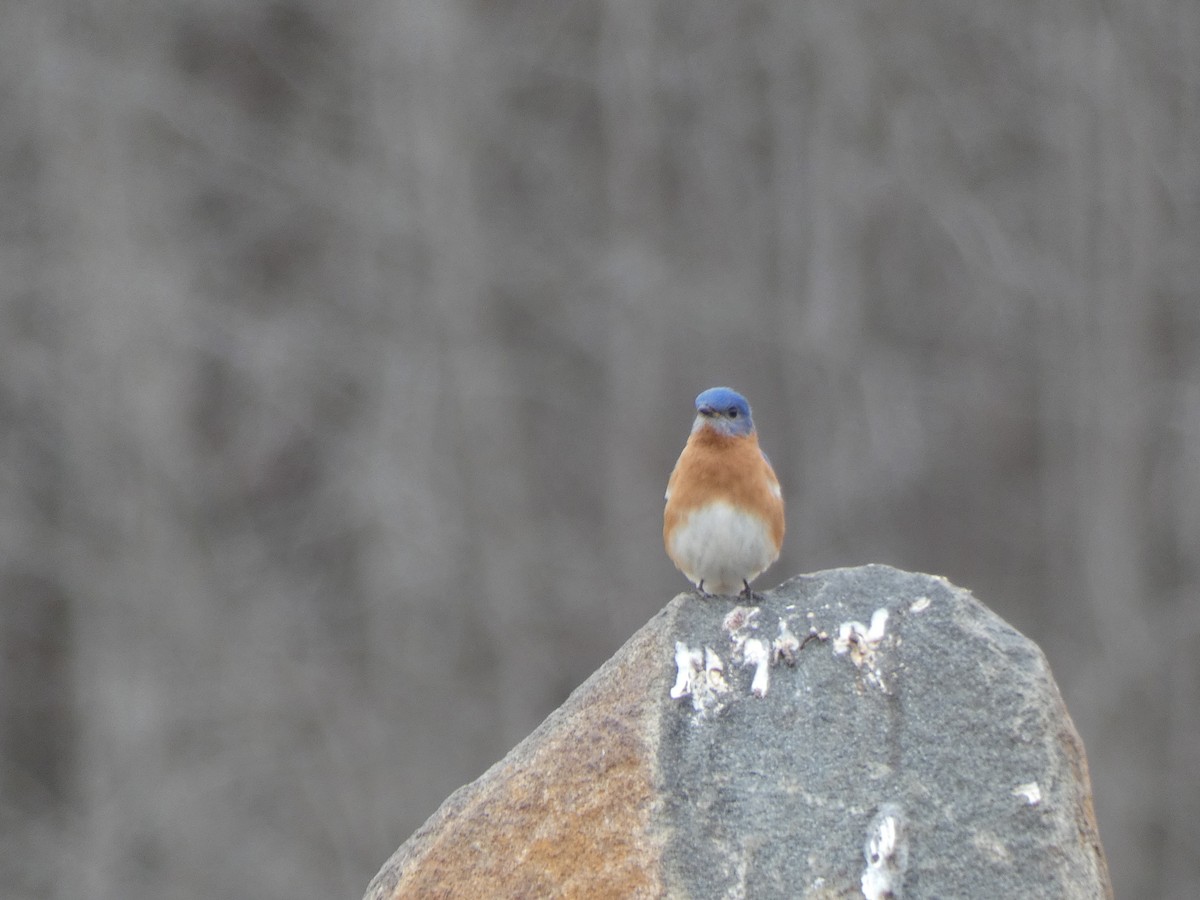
861	732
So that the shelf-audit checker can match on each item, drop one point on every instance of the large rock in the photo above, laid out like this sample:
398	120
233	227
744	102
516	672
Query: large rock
862	732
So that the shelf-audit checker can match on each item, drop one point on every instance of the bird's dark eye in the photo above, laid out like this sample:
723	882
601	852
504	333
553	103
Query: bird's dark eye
733	412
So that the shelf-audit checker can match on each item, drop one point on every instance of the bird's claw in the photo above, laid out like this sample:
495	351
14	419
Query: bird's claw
752	596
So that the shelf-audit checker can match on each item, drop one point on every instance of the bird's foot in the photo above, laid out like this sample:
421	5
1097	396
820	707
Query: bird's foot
749	595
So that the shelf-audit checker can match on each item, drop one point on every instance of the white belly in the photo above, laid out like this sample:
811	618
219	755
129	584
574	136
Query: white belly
721	547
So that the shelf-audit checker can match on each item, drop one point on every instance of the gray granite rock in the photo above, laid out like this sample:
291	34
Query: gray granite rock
860	733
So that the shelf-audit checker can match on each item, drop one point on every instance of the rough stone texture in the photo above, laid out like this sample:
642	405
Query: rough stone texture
572	811
941	721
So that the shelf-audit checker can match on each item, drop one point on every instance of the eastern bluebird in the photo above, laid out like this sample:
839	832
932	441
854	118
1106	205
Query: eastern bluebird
723	524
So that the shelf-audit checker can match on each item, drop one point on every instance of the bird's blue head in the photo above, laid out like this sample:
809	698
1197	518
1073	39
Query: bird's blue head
725	411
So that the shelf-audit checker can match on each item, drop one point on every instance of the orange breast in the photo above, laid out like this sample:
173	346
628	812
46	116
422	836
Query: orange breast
720	467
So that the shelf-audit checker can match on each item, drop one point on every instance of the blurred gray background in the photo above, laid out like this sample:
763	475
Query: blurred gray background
345	348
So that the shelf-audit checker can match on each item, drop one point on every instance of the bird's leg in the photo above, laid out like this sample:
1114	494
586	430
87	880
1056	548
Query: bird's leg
700	589
747	594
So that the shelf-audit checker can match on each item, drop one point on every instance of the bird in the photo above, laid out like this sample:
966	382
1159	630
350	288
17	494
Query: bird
723	524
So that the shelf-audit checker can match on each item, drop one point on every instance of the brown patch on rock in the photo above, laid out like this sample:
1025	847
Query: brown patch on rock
568	813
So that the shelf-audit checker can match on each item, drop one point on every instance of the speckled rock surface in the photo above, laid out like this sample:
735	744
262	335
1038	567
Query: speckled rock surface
861	732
